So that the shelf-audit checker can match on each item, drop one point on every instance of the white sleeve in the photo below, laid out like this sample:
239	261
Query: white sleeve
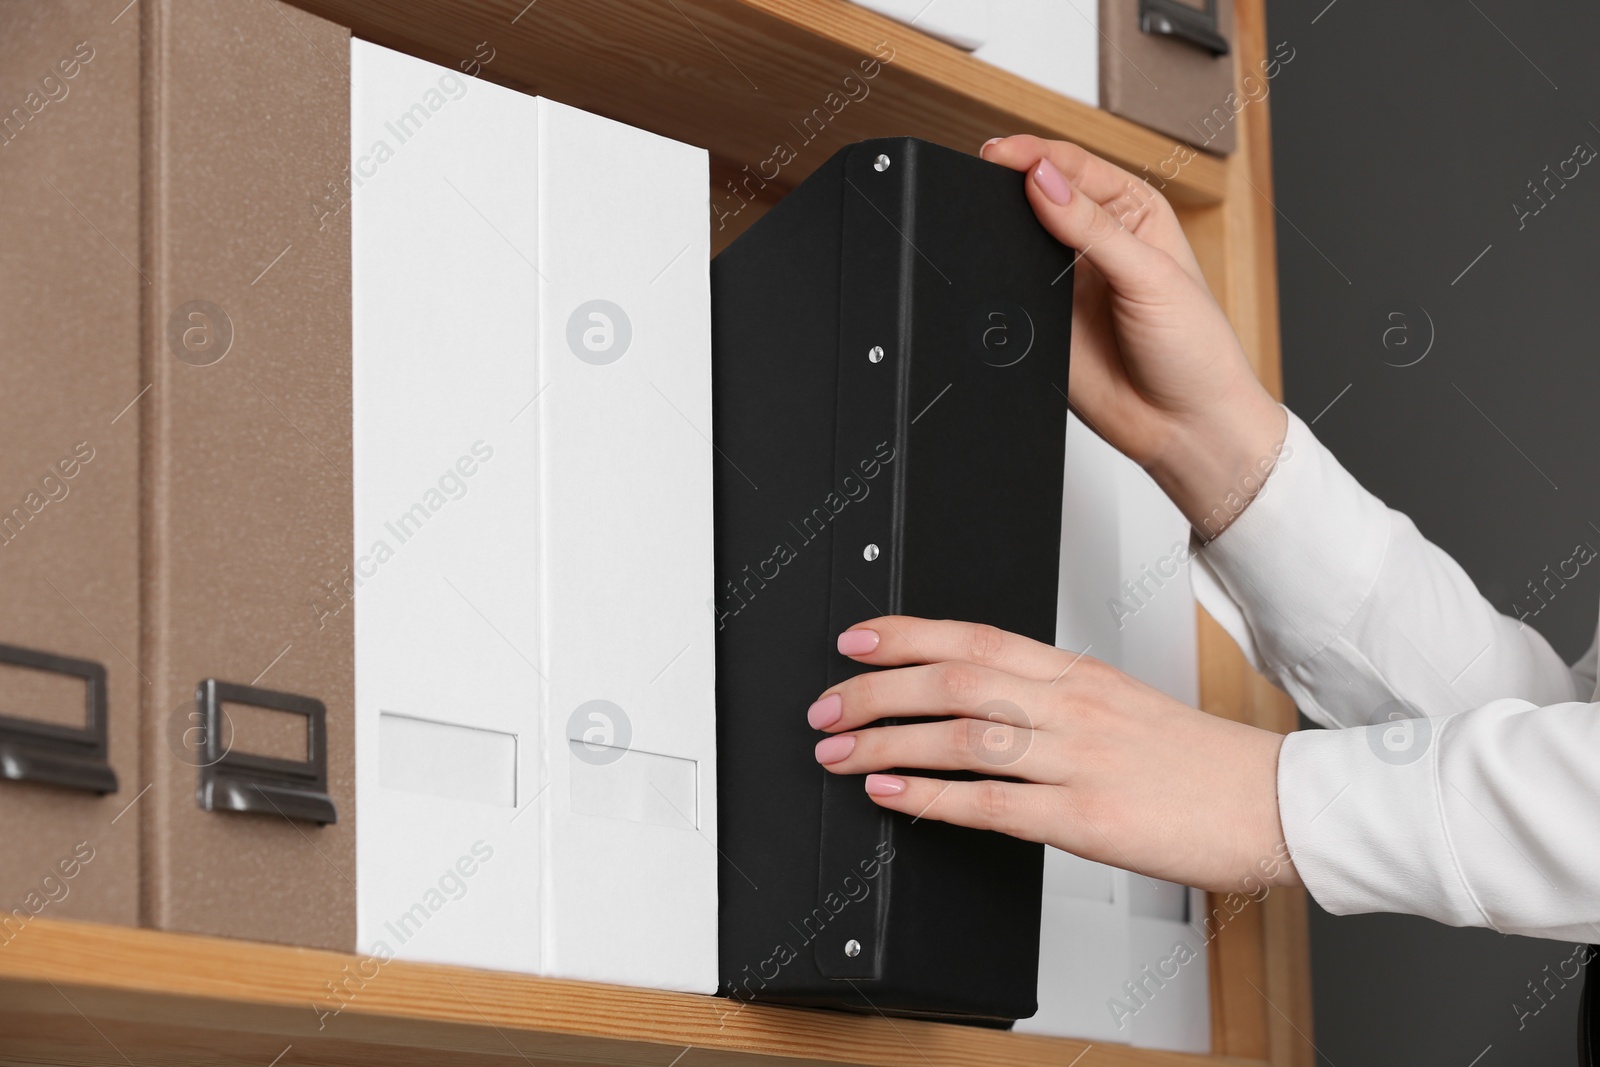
1342	603
1475	798
1488	817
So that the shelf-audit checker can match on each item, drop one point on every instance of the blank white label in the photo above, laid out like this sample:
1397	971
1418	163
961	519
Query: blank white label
638	786
444	760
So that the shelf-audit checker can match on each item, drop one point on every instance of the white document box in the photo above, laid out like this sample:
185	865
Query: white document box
1054	43
1110	963
532	471
963	23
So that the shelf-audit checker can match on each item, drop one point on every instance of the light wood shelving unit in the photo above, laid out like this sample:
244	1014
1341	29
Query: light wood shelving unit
738	77
157	999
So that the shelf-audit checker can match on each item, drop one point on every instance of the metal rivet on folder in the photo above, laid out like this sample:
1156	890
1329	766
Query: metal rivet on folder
875	354
881	163
869	553
852	948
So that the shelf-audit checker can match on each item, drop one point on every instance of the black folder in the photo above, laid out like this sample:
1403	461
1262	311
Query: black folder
890	370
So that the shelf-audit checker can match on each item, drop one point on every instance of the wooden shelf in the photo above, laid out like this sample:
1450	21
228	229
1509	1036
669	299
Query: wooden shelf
739	77
82	993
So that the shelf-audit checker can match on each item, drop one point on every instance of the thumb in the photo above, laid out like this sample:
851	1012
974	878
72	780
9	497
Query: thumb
1130	266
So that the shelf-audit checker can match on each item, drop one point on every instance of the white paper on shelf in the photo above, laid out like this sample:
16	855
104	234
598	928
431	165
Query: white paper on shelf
1055	43
963	23
1110	968
536	766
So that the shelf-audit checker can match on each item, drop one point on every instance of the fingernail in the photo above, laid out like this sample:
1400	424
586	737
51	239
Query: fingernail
825	712
990	141
885	785
1051	183
834	749
858	642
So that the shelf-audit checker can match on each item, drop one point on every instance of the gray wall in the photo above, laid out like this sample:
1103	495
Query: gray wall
1403	137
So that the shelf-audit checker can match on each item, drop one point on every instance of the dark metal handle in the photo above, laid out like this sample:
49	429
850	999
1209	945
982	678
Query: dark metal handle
242	782
1173	18
224	793
68	756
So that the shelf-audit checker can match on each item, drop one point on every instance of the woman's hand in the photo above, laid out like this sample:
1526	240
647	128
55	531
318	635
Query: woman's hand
1112	770
1156	368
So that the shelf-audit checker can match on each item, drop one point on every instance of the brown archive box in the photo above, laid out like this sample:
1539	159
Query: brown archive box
1168	64
249	829
70	684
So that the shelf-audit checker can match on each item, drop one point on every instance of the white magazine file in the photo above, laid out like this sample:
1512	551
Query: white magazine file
1107	966
532	471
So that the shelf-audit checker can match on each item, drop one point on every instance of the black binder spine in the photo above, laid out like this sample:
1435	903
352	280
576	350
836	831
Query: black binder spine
874	357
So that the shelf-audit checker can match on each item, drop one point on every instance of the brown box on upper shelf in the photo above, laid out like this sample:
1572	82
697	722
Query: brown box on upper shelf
1169	65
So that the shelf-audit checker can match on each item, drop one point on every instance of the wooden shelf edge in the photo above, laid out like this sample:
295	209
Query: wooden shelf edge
738	76
1202	180
212	993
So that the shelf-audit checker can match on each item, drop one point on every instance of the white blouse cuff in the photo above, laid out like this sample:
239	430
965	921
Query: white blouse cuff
1296	565
1363	821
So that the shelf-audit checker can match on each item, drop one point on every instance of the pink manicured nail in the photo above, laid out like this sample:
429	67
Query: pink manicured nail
834	749
825	712
885	785
858	642
990	141
1051	183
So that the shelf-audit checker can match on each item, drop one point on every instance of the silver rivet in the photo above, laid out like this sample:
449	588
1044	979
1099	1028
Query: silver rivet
881	163
869	553
852	948
875	354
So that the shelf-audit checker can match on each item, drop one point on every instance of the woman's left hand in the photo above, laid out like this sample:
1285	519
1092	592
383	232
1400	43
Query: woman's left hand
1111	769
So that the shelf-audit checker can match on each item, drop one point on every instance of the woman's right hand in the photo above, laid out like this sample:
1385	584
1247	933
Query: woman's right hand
1156	368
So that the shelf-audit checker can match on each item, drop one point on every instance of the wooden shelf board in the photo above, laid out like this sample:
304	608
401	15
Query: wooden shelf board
75	992
739	77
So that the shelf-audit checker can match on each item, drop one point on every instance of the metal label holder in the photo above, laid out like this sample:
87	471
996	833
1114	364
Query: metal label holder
1174	18
242	782
67	756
